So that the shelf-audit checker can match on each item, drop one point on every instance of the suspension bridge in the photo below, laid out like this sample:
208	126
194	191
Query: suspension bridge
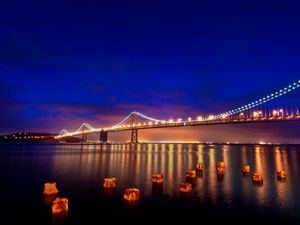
254	112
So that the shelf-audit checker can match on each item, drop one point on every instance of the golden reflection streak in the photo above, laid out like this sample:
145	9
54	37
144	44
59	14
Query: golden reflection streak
163	164
180	153
259	166
149	168
200	187
123	160
170	165
190	165
227	187
200	153
212	176
245	179
281	163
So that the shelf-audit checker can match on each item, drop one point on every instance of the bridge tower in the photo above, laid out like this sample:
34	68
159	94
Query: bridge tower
103	136
84	138
134	131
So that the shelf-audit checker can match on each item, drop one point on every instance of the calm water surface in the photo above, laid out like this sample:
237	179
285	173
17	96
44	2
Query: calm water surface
79	170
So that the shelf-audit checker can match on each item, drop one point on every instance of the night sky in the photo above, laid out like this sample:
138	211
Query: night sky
67	62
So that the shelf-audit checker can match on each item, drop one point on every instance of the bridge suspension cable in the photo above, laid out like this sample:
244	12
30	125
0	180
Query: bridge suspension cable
64	131
147	117
261	101
84	125
123	121
138	114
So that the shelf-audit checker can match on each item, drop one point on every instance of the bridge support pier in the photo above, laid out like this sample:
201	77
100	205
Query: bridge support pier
103	136
84	138
134	136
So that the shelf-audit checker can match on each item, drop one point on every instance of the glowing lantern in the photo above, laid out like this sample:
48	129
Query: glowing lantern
257	178
185	187
110	182
220	170
246	169
281	175
157	178
220	164
131	194
190	174
50	189
199	166
60	205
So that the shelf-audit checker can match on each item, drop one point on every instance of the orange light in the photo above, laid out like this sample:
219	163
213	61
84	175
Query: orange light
246	169
131	194
220	164
185	187
50	189
257	178
110	182
281	175
60	205
255	114
157	178
199	166
190	174
221	170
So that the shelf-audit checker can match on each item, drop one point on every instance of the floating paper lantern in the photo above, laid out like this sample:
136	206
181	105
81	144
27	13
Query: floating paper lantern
185	187
221	164
199	166
60	205
190	174
257	178
281	175
131	194
157	178
50	189
246	169
220	170
110	182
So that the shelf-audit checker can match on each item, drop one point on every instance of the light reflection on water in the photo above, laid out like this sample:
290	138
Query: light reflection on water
133	165
80	169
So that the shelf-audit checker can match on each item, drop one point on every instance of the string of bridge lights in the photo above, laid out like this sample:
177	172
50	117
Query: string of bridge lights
260	101
240	109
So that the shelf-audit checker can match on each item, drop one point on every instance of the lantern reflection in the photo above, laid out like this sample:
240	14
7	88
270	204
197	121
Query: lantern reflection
199	173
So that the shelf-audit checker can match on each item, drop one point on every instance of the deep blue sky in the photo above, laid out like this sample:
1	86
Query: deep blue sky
64	62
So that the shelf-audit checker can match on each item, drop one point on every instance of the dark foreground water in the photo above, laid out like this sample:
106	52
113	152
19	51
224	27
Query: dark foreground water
79	171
